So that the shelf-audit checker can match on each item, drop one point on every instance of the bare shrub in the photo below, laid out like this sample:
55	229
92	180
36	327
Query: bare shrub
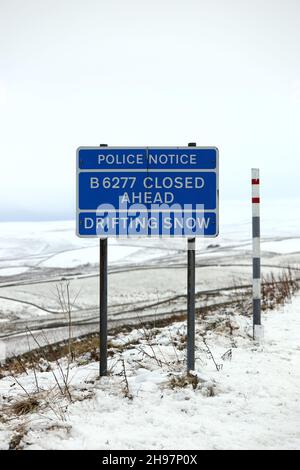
276	290
59	375
127	393
66	305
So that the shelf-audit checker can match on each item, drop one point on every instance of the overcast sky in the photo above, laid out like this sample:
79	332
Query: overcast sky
146	72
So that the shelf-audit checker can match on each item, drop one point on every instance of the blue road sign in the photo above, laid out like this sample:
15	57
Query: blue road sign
147	191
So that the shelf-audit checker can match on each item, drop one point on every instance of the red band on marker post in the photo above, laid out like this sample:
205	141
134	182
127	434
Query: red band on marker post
255	200
255	181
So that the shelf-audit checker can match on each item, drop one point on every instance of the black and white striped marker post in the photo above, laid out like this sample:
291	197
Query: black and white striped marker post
256	270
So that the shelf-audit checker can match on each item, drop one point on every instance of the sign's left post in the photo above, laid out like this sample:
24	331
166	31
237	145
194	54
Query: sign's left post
103	306
103	281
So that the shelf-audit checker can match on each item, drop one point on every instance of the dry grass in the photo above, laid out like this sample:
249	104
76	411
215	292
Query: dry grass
25	406
276	290
16	439
183	381
20	364
208	389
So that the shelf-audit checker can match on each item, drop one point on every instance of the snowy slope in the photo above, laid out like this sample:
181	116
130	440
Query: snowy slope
255	404
36	256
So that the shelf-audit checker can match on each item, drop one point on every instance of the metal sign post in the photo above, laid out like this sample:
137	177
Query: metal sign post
256	264
191	305
103	303
191	275
103	306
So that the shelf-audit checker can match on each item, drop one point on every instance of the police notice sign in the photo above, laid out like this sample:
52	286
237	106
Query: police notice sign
147	191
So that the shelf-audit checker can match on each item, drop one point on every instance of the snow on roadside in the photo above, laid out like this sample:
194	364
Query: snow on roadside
251	402
73	258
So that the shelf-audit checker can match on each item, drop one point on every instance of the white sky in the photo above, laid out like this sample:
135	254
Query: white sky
147	72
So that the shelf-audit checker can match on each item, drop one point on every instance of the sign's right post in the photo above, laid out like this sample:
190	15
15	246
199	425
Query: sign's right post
191	281
256	263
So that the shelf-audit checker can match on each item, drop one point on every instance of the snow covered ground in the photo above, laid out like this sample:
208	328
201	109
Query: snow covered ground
244	396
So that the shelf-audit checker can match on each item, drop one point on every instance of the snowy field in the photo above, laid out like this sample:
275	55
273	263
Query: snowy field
242	396
36	256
